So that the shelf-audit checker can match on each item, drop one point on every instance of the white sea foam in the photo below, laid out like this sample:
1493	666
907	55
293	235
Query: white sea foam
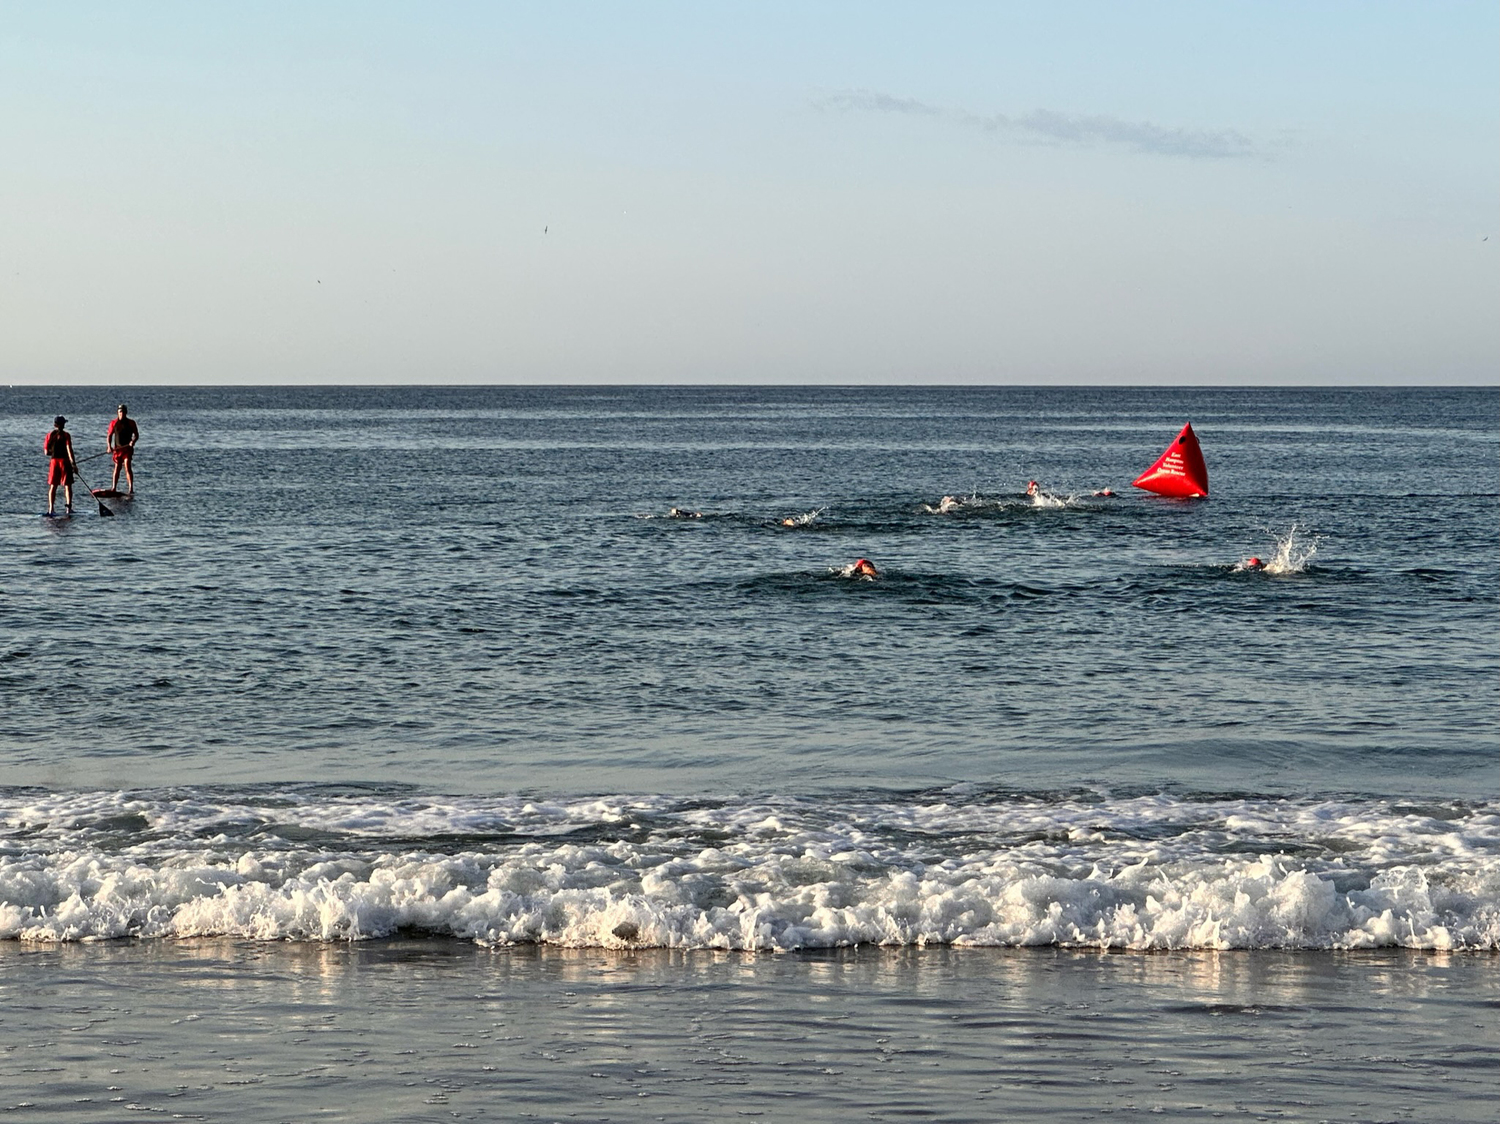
1147	873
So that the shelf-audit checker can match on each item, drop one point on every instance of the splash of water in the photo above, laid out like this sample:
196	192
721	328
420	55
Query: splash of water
802	520
856	571
1293	552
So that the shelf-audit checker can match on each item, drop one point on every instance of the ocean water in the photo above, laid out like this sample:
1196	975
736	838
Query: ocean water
524	671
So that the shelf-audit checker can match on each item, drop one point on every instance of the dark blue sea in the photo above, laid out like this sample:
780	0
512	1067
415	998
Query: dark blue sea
564	705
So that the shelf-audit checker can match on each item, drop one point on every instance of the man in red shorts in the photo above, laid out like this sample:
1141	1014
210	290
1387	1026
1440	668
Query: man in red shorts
121	438
58	445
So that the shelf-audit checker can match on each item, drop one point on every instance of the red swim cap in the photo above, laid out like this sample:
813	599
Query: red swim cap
1254	561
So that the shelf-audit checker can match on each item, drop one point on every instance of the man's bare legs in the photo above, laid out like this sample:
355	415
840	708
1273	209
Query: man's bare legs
127	464
52	498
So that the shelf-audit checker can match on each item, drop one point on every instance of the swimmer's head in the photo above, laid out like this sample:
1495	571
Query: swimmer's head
1254	563
864	568
1031	487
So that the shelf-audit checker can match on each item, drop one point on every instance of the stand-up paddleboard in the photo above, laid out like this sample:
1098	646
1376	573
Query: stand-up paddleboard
1179	472
111	494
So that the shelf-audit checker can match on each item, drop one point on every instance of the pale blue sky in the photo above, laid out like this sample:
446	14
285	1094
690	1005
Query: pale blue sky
700	192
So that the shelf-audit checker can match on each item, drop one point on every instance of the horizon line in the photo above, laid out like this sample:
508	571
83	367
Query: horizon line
1269	385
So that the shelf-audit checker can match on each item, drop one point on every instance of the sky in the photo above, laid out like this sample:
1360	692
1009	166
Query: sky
700	192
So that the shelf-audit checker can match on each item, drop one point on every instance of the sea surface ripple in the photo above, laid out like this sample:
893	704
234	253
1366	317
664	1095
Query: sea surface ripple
582	666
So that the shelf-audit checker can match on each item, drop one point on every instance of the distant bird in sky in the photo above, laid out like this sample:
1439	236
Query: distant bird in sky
544	230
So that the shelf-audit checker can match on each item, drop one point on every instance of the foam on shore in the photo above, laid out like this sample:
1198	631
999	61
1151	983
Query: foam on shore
1153	872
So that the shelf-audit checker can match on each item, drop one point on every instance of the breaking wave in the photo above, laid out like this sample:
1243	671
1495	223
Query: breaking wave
1150	872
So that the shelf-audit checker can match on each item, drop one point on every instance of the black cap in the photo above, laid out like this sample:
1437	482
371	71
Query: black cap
59	421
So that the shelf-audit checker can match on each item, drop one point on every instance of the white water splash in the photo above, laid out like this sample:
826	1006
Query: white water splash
949	504
803	520
1291	555
1293	552
855	572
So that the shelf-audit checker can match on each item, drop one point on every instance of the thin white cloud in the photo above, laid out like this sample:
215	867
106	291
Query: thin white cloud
1051	127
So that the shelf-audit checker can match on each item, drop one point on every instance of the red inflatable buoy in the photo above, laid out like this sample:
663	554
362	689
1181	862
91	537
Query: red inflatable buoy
1180	471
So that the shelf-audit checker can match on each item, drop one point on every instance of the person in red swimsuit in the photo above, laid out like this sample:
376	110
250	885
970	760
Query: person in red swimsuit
58	445
121	438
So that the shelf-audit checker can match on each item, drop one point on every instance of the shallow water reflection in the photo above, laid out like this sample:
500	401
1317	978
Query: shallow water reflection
443	1030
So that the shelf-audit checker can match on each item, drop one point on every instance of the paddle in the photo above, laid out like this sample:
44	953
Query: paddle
102	509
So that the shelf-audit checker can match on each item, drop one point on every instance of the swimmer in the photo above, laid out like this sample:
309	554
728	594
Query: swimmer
1040	497
944	506
800	520
1105	492
683	513
1251	563
863	568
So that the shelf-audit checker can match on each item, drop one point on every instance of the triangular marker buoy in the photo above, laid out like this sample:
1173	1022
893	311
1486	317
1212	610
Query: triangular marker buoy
1179	472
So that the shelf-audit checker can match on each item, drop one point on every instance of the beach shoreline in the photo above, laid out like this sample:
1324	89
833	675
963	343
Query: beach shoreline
440	1028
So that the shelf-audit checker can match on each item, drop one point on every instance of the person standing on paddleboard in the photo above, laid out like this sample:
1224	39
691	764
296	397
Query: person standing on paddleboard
120	438
58	445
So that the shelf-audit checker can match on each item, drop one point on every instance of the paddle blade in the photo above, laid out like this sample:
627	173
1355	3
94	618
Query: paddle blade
106	512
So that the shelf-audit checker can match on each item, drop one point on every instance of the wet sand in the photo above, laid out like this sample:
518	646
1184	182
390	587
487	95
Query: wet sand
441	1030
